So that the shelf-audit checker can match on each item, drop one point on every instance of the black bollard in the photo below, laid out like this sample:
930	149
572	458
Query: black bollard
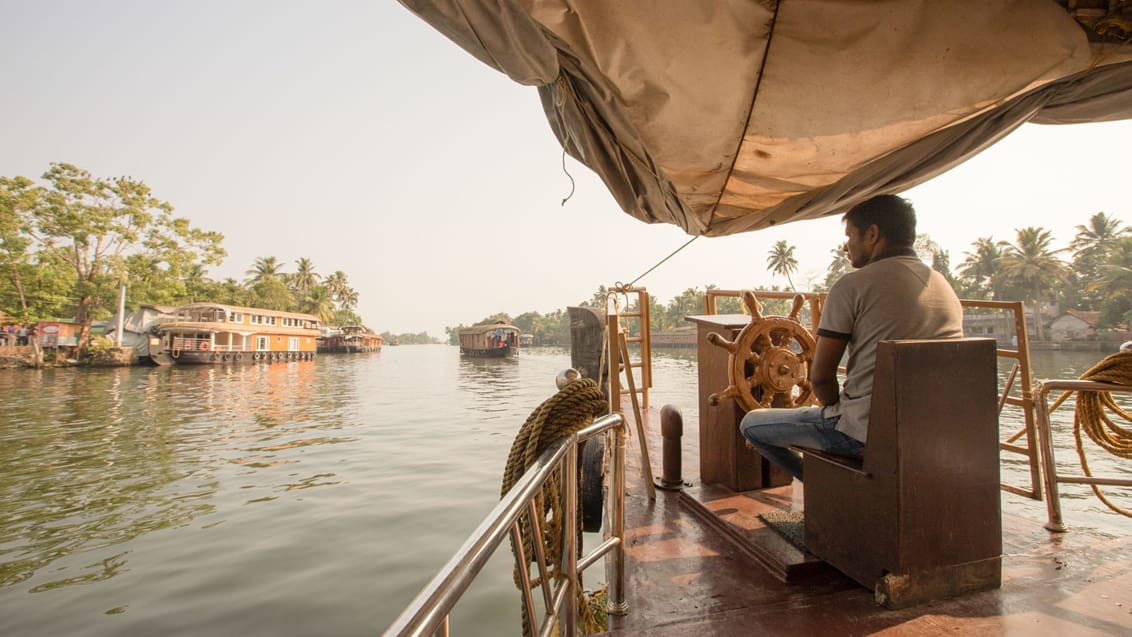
671	430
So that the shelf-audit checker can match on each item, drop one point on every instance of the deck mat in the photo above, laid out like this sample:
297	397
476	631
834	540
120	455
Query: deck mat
789	524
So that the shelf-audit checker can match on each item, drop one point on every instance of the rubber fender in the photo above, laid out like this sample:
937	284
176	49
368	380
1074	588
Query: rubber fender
591	497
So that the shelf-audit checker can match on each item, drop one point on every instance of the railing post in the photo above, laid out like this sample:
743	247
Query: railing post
569	617
615	565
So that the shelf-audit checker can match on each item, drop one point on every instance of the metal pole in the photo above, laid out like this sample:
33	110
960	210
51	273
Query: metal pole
671	431
121	312
615	565
569	617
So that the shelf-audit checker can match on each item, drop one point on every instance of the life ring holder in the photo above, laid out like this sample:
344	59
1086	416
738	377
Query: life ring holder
203	346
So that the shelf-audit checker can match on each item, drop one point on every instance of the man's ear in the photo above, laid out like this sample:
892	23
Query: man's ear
872	234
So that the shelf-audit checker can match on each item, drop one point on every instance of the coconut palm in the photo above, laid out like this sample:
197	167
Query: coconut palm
319	302
1115	283
781	260
1099	236
337	285
1034	267
838	265
304	279
982	266
264	269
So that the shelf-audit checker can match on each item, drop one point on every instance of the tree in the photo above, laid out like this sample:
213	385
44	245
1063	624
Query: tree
304	279
1034	267
839	264
982	267
689	303
1091	248
320	302
264	269
1099	236
271	294
93	227
1115	284
781	261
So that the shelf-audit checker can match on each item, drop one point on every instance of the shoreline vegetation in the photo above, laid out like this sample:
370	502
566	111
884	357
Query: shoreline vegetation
71	242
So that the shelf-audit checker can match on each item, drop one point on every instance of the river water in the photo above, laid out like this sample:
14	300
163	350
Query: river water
305	498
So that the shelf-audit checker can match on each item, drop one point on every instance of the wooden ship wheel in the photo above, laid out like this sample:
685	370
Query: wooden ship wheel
769	361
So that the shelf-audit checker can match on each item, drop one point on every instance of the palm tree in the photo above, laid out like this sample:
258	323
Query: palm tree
348	299
1115	283
838	265
304	279
1091	248
1033	266
982	267
337	285
320	302
781	260
1099	236
264	269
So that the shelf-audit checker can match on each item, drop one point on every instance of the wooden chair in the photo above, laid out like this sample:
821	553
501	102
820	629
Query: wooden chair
919	518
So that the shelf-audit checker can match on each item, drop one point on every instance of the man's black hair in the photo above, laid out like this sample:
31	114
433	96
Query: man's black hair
894	217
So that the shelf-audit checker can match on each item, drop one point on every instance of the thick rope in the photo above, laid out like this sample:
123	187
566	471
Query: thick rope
573	408
1091	417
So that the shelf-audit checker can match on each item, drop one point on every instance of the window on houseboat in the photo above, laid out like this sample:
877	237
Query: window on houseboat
257	319
235	317
293	343
262	344
269	320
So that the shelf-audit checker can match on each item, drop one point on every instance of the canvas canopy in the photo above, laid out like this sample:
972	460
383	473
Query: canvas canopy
734	115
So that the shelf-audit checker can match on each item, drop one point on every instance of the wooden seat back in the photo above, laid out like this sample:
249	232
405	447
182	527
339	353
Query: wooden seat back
920	518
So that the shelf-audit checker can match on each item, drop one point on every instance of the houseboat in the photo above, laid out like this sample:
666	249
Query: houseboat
348	339
211	333
490	340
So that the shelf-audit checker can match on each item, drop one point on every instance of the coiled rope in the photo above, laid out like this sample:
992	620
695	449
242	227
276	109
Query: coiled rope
1090	416
573	408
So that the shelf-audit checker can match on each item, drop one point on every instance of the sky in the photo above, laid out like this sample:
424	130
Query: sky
353	134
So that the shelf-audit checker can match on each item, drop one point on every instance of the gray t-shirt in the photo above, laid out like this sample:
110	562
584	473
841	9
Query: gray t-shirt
894	298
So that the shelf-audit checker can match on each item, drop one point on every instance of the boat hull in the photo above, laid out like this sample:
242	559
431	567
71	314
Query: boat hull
494	352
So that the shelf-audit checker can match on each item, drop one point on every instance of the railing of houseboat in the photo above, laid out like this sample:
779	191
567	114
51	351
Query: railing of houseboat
428	613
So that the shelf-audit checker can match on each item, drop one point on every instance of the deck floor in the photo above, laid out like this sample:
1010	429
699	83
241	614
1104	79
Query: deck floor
687	576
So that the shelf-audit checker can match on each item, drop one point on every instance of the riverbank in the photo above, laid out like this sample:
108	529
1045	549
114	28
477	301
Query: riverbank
23	356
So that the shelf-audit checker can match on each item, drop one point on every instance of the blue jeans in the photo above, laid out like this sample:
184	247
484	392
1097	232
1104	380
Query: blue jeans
772	431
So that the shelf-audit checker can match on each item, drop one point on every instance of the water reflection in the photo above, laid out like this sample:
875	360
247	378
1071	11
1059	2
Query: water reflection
96	458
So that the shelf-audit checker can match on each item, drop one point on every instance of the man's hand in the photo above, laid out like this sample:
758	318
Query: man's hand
823	371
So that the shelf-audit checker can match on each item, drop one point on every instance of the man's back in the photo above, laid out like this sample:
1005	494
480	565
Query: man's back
893	298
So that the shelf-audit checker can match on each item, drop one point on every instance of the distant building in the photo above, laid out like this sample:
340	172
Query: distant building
1074	325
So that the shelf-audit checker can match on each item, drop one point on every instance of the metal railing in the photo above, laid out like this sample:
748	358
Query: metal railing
428	613
1050	474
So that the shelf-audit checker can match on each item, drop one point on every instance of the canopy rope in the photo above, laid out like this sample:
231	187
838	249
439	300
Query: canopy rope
573	408
1091	416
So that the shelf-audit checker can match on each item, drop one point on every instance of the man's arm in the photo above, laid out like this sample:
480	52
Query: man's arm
823	371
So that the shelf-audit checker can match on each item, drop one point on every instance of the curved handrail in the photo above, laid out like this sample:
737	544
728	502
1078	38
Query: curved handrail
429	610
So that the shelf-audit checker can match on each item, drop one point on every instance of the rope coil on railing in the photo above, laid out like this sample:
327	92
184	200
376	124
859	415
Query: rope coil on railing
573	408
1090	416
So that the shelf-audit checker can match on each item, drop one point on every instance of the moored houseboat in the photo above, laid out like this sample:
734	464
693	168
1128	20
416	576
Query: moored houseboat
212	333
498	339
348	339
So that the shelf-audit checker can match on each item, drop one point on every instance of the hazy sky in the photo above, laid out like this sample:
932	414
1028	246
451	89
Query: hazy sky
353	134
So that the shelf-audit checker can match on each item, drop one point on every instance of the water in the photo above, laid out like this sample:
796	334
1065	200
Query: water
306	498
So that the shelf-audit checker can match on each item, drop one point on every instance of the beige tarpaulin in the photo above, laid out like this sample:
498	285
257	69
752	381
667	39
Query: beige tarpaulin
725	116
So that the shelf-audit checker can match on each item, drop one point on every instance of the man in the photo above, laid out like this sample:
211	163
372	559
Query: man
891	295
